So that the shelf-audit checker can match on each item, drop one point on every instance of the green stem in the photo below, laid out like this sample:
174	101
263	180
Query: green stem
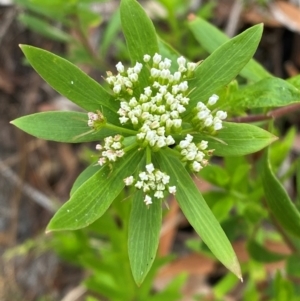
119	129
130	147
148	155
187	131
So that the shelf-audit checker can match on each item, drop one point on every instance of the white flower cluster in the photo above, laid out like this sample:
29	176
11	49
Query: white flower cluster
111	150
153	182
205	118
96	120
125	80
156	112
194	154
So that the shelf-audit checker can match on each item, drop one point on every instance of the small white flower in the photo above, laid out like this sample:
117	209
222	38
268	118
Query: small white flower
191	66
168	63
140	136
161	66
189	138
102	161
203	145
172	189
148	200
138	67
155	72
148	91
181	61
208	121
183	86
123	119
120	67
196	166
128	181
165	179
170	140
117	89
150	168
221	114
156	58
213	99
147	58
217	126
159	194
143	176
177	76
133	77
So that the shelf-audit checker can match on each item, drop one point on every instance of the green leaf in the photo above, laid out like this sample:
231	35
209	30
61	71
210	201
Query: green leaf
269	92
210	38
295	81
261	254
42	27
237	139
143	235
198	213
279	202
138	29
224	64
70	127
293	266
71	82
168	51
140	35
95	195
84	176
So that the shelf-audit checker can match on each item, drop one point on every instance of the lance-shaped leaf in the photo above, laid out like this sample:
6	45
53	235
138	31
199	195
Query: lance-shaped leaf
237	139
138	29
143	235
95	195
198	213
224	64
84	176
278	200
140	35
269	92
71	82
168	51
210	38
70	127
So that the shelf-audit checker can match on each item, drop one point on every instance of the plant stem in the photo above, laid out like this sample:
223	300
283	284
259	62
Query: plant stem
273	114
120	129
148	155
285	237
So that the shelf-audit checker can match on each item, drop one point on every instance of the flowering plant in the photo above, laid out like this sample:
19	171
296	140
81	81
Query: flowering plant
162	120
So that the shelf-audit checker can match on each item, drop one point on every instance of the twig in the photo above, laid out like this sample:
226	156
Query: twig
27	189
234	18
270	115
